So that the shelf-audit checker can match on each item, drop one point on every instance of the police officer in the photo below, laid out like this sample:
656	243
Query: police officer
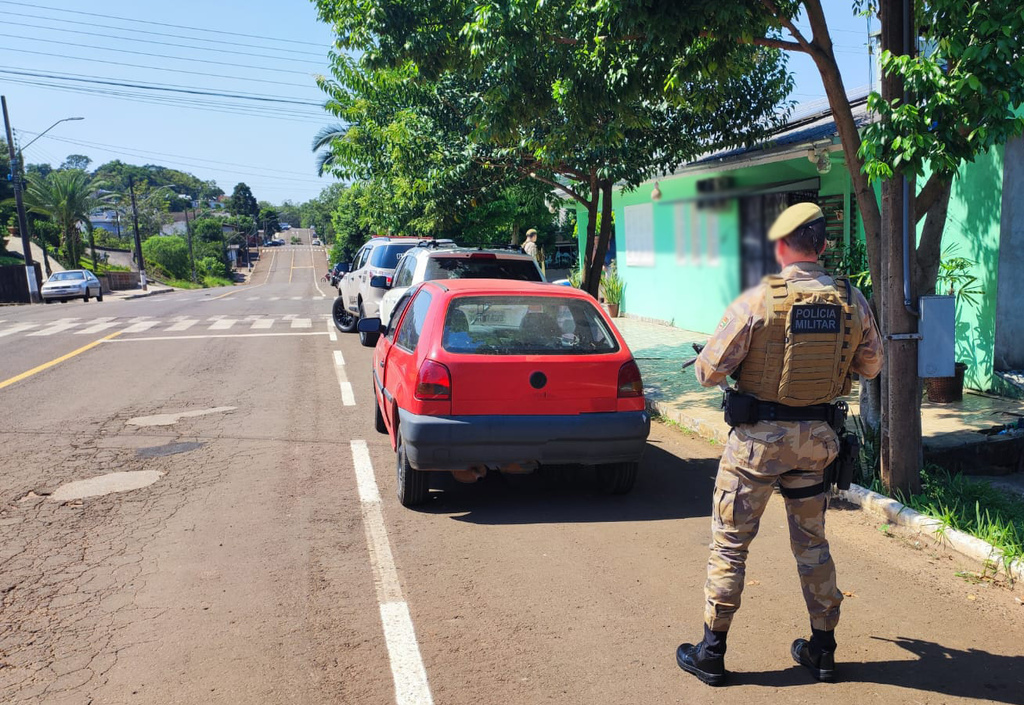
791	344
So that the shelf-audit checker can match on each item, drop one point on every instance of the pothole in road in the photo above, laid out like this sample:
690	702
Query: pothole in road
171	419
105	484
168	449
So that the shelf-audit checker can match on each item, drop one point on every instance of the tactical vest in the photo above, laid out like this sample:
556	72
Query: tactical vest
802	354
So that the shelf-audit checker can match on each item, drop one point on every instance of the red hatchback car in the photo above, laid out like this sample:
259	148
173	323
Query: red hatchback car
476	375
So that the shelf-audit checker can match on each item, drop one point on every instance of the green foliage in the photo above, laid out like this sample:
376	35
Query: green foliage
268	221
955	277
348	221
152	177
242	202
208	229
968	87
67	198
169	253
290	213
76	161
853	263
41	169
211	267
612	285
316	212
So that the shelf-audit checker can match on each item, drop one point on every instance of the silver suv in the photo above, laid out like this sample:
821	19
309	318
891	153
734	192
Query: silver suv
360	290
438	261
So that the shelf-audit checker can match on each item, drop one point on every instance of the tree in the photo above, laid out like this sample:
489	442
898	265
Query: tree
242	202
67	198
289	212
170	254
268	219
40	169
76	161
208	229
316	212
584	111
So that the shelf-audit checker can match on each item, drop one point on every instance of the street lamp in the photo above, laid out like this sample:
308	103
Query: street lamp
48	129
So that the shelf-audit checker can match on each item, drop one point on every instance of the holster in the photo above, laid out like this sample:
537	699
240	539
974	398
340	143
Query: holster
840	471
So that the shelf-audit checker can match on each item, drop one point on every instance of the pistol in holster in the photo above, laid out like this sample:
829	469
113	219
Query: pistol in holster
840	471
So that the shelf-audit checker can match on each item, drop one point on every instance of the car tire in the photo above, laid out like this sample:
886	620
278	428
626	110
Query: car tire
413	485
99	296
85	298
343	318
367	340
618	478
378	418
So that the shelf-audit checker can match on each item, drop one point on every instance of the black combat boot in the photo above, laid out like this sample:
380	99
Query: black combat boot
706	660
817	655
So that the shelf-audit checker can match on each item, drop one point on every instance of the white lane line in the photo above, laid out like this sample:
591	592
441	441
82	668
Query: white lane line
262	323
316	280
275	298
183	325
339	359
253	298
347	397
210	335
18	328
223	324
140	327
296	298
407	671
98	325
302	323
332	332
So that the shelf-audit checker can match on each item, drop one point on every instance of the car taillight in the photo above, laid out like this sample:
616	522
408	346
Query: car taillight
630	384
483	255
434	382
381	273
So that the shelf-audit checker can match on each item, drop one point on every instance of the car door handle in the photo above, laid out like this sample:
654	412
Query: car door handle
380	364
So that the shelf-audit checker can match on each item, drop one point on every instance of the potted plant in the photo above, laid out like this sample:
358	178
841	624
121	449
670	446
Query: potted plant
954	279
612	287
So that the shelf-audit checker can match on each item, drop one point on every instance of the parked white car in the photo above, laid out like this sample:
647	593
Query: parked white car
72	284
429	263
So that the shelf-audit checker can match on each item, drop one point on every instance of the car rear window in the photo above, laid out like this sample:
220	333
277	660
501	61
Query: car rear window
66	276
526	325
481	268
386	256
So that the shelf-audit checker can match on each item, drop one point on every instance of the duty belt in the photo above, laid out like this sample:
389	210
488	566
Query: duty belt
743	409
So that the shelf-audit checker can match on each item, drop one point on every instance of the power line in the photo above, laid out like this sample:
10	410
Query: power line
135	30
152	68
157	24
164	87
153	41
159	56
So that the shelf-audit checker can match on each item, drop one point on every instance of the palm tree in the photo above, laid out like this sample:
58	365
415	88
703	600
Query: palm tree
67	197
322	145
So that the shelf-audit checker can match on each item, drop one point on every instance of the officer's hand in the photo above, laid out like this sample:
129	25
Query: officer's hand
698	347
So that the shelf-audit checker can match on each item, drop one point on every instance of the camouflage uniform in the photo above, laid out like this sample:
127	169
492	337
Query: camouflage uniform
757	456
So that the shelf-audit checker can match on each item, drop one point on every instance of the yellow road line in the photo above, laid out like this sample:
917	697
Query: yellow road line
51	363
223	295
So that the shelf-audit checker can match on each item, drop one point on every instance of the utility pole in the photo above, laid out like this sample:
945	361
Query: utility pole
901	418
138	241
15	177
191	256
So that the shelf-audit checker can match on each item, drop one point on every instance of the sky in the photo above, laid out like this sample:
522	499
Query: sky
61	58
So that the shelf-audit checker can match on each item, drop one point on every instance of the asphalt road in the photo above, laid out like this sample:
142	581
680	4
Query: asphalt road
258	567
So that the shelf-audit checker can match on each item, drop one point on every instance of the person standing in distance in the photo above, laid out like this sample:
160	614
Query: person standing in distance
791	343
530	246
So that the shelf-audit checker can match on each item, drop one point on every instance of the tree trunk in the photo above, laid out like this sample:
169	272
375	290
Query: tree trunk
901	430
599	245
515	233
929	251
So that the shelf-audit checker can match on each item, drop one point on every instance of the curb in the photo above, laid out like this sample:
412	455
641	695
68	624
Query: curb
146	294
897	513
702	428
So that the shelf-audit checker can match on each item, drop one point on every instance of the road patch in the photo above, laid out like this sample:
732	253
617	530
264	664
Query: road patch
171	419
105	484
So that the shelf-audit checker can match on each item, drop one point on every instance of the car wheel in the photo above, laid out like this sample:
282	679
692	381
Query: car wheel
413	485
343	318
618	478
99	296
85	298
378	417
367	339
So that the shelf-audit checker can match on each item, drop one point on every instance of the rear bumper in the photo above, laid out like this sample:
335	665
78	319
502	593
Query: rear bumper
457	442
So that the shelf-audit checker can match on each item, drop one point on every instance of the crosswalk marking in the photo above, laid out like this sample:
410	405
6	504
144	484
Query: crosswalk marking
223	324
183	325
262	323
57	327
140	327
18	328
99	325
302	323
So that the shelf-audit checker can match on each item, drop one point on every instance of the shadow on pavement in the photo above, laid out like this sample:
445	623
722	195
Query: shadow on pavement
964	674
668	487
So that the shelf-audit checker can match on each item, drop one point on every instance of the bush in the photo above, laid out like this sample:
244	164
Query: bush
210	267
170	254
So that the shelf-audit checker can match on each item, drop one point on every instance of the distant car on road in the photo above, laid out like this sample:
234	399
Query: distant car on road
435	262
316	242
72	284
476	375
286	226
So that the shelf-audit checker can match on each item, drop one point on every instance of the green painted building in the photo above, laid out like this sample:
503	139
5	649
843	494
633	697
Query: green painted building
686	254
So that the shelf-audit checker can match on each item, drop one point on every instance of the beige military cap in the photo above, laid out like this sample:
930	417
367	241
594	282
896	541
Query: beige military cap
792	218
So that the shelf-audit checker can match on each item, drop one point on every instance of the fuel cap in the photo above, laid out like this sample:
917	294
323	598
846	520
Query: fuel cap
538	380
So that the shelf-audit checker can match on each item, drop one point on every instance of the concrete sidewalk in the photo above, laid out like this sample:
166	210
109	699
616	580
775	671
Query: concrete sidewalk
673	393
152	289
